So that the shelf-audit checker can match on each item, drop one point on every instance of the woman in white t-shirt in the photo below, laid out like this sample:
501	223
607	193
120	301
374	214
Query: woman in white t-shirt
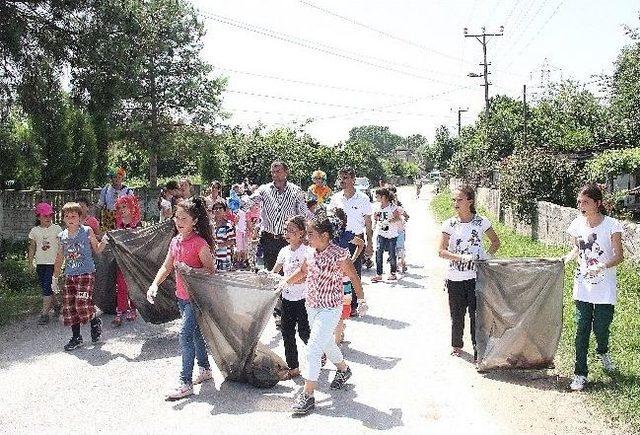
597	243
294	313
461	244
43	247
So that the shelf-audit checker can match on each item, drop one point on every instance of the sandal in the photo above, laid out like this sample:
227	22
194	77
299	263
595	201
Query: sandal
117	321
392	277
376	278
456	352
131	315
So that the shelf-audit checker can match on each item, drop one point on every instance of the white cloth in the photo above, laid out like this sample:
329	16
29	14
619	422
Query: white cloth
356	208
595	247
323	322
291	261
465	238
165	204
383	216
47	243
241	224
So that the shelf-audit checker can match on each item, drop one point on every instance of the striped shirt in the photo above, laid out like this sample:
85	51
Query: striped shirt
277	206
223	234
324	277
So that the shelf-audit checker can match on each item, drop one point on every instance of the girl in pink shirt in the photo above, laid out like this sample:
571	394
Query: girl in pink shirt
192	246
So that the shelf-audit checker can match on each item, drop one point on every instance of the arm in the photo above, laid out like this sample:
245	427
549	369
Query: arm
95	245
573	253
396	216
298	276
277	268
31	252
57	266
495	241
443	251
207	259
359	247
369	225
618	254
347	268
164	271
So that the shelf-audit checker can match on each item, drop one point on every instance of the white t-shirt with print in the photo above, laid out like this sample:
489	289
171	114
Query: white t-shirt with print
383	216
291	261
165	205
47	243
595	247
356	208
465	238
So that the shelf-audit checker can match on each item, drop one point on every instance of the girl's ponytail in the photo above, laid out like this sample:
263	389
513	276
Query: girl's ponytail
203	226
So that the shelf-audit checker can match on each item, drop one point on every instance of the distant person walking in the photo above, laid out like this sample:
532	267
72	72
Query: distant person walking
108	195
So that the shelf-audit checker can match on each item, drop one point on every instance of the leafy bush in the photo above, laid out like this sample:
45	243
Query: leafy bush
610	163
528	176
16	277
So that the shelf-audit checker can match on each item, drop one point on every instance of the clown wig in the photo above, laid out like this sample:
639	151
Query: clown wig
131	202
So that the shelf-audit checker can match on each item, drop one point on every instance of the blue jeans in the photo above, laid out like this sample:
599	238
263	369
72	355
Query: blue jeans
191	342
385	244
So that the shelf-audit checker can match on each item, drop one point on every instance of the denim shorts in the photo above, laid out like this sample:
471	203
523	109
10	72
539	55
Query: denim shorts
400	241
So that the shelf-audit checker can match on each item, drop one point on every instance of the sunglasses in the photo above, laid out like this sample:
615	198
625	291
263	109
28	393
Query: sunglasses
217	208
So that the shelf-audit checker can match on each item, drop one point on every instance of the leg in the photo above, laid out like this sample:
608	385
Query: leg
584	320
288	329
379	250
391	243
470	290
457	309
187	345
45	276
602	318
122	295
304	331
358	266
200	345
69	313
323	322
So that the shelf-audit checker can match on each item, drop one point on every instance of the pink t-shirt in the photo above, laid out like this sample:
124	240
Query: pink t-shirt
186	251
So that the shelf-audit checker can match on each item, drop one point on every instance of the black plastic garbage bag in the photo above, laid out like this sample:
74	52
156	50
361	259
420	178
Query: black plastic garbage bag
518	313
139	254
233	309
104	291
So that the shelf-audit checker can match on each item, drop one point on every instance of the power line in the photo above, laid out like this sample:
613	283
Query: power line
314	84
380	32
320	47
522	15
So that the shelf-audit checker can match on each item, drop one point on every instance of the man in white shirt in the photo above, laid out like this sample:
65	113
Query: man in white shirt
357	207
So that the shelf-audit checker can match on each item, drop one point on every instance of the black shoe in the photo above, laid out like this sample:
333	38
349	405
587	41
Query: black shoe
340	379
303	404
43	319
74	343
96	329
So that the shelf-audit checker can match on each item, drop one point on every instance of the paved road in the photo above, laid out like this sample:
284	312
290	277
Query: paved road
403	377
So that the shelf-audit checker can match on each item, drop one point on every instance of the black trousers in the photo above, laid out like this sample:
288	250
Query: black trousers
271	246
358	266
462	297
294	314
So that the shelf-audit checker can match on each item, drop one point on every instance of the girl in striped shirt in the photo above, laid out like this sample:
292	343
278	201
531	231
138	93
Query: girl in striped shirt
324	267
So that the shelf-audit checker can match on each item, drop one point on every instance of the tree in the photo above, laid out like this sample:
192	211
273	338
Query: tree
382	140
443	147
625	91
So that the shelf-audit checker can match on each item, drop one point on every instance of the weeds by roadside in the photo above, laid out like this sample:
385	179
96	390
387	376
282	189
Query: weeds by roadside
617	394
19	290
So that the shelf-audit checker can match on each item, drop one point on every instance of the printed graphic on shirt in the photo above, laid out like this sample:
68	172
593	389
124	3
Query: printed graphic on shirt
592	254
465	243
73	255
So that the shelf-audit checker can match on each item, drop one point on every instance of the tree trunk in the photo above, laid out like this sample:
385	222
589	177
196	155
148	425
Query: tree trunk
153	168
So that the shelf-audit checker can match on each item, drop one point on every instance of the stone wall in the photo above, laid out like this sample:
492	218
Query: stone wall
489	199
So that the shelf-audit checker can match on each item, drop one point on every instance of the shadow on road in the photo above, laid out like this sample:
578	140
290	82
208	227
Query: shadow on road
374	320
538	379
373	361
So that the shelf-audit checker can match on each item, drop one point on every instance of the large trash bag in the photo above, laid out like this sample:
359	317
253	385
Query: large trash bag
104	291
518	313
232	309
139	254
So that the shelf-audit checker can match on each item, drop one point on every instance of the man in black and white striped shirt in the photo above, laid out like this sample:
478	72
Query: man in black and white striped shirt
279	200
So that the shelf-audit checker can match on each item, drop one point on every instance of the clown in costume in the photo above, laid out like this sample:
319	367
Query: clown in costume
319	191
108	196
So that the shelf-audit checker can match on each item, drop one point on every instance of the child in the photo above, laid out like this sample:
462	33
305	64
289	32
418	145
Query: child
461	244
167	200
224	236
253	236
127	217
43	248
76	244
294	313
324	267
192	246
400	224
386	215
344	238
598	244
87	218
319	191
241	239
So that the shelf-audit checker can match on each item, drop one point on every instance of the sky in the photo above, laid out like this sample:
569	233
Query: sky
399	63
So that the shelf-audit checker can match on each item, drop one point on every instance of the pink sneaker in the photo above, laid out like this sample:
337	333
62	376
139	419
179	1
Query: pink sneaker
131	315
181	391
203	375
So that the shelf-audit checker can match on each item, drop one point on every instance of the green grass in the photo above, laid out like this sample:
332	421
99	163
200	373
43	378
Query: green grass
617	394
15	306
19	290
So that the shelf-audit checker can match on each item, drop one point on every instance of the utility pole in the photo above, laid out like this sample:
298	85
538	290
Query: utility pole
482	38
524	115
460	118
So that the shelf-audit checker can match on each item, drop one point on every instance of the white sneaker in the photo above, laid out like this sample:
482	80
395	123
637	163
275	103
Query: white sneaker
607	364
578	383
181	391
203	375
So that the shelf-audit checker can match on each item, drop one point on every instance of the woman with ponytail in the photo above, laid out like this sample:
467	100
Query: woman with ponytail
192	246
